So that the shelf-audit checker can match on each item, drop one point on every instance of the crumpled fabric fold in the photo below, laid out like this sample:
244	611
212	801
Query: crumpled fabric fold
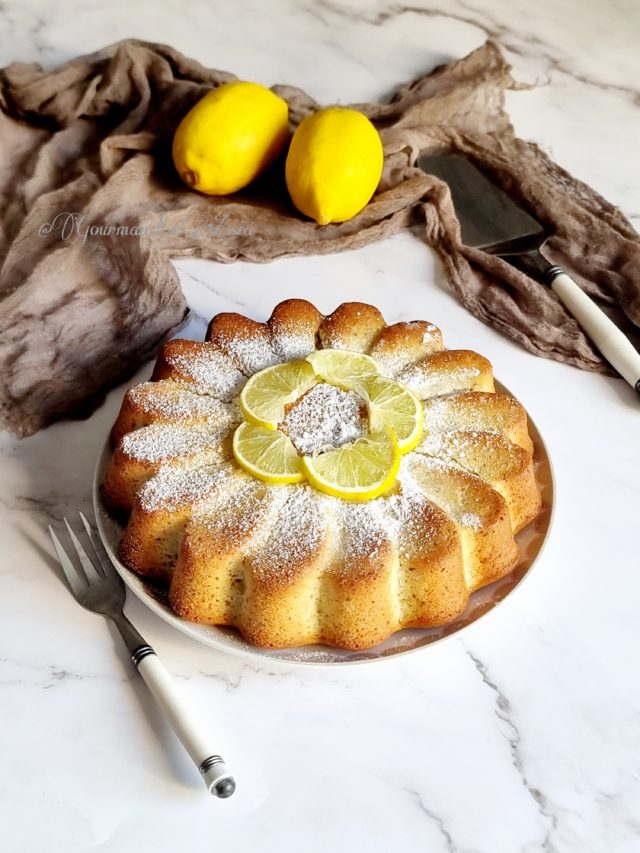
85	153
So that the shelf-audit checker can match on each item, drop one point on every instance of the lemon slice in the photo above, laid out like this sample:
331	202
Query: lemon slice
267	454
359	471
393	405
341	367
265	395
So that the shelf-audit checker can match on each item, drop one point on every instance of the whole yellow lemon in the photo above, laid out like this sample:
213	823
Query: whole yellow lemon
231	135
334	164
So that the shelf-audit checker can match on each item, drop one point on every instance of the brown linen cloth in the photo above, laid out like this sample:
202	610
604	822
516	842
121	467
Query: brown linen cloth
87	146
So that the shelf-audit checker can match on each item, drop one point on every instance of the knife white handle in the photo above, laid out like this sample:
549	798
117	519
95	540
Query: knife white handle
612	343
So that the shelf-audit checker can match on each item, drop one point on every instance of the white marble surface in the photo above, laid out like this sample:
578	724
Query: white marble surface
521	735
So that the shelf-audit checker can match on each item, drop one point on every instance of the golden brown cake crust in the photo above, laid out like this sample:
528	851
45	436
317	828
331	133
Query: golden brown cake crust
405	343
353	326
288	565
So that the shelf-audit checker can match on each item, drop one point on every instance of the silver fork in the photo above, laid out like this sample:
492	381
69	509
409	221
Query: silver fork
98	587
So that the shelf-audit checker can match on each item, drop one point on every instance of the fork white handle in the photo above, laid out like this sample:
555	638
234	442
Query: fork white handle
98	588
188	729
612	343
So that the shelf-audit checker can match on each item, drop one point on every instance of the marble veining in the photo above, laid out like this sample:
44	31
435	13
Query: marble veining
519	736
504	712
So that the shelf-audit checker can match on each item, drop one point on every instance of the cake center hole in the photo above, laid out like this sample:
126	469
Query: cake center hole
325	417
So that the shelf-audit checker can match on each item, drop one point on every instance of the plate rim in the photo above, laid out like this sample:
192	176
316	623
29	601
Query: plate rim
243	649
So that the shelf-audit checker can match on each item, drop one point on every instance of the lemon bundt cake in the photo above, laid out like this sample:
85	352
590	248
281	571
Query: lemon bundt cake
320	479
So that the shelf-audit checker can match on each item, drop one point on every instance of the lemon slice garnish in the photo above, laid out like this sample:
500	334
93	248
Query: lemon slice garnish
394	406
267	454
265	395
359	471
342	367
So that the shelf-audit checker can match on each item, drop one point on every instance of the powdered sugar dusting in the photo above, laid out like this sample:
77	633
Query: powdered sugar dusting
442	412
167	441
365	528
463	447
470	519
443	445
210	371
468	507
397	518
455	412
171	488
406	344
173	401
405	510
298	532
323	418
291	345
240	513
390	363
332	338
430	333
249	354
427	463
430	383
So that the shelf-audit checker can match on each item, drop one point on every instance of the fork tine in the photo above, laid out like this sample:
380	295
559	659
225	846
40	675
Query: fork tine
70	571
101	567
90	570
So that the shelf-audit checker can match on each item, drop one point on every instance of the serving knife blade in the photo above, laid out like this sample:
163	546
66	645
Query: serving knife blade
492	221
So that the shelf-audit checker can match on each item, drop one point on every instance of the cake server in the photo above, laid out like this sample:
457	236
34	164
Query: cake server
492	221
99	588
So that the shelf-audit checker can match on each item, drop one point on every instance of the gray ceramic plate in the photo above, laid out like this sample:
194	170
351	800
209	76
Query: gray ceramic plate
530	542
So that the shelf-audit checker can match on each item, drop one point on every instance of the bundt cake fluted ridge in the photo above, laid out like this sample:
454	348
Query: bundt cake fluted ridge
286	564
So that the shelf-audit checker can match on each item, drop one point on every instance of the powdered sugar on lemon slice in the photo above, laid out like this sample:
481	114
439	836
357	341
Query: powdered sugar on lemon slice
265	395
267	454
394	406
341	462
346	369
359	471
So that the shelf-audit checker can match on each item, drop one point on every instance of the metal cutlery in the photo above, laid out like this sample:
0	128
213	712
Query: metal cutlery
99	588
492	221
